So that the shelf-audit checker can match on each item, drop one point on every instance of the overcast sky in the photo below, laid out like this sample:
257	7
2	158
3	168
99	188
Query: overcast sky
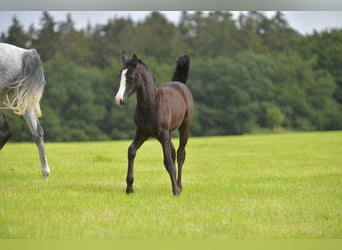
304	22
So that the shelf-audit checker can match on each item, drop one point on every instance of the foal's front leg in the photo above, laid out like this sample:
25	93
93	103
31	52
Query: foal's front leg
38	136
139	139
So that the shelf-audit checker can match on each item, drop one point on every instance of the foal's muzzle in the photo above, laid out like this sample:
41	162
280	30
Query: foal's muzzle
119	100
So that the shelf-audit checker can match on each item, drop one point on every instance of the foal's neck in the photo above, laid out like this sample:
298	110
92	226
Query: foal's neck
147	92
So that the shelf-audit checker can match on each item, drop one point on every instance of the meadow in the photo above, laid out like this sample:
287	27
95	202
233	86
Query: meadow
267	186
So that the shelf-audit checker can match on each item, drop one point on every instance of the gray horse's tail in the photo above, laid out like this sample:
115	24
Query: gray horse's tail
181	71
28	88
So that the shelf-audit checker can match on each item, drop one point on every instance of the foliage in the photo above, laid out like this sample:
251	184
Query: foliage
250	74
251	187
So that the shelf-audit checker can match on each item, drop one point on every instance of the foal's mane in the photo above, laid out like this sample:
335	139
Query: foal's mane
146	67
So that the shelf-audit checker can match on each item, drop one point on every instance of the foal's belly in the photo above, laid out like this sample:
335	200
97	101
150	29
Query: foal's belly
153	126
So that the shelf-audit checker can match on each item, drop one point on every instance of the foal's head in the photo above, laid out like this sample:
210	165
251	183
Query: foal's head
129	77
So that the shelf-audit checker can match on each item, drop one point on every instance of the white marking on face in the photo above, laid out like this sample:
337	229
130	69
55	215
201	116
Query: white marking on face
119	96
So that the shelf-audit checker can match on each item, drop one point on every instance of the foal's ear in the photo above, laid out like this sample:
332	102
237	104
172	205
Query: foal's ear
135	60
124	57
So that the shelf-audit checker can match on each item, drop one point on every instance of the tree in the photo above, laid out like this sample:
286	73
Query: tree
73	44
108	41
274	117
326	49
70	96
229	90
303	93
47	38
212	35
276	33
16	34
247	74
249	31
154	37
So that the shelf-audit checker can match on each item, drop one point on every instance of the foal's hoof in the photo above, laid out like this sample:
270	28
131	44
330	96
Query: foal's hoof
129	190
177	192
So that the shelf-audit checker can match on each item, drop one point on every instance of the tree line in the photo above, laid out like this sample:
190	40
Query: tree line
250	74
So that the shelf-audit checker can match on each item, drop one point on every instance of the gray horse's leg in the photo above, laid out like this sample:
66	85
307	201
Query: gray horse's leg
38	136
5	132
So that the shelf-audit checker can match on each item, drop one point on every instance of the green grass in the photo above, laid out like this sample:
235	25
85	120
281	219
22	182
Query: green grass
253	186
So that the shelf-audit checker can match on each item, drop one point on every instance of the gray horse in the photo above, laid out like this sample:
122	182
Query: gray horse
22	84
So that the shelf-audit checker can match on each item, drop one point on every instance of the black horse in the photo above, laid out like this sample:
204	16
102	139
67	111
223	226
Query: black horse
160	110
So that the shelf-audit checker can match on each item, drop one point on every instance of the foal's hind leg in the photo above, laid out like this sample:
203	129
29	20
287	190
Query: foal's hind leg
38	136
169	163
173	152
5	132
139	139
183	140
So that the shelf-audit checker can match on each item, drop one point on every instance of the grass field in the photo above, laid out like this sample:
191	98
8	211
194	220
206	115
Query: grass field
253	186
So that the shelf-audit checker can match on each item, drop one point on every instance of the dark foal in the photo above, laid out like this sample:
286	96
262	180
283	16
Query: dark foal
160	110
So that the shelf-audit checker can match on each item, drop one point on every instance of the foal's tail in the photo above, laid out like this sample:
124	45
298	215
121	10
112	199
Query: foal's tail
181	71
29	86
